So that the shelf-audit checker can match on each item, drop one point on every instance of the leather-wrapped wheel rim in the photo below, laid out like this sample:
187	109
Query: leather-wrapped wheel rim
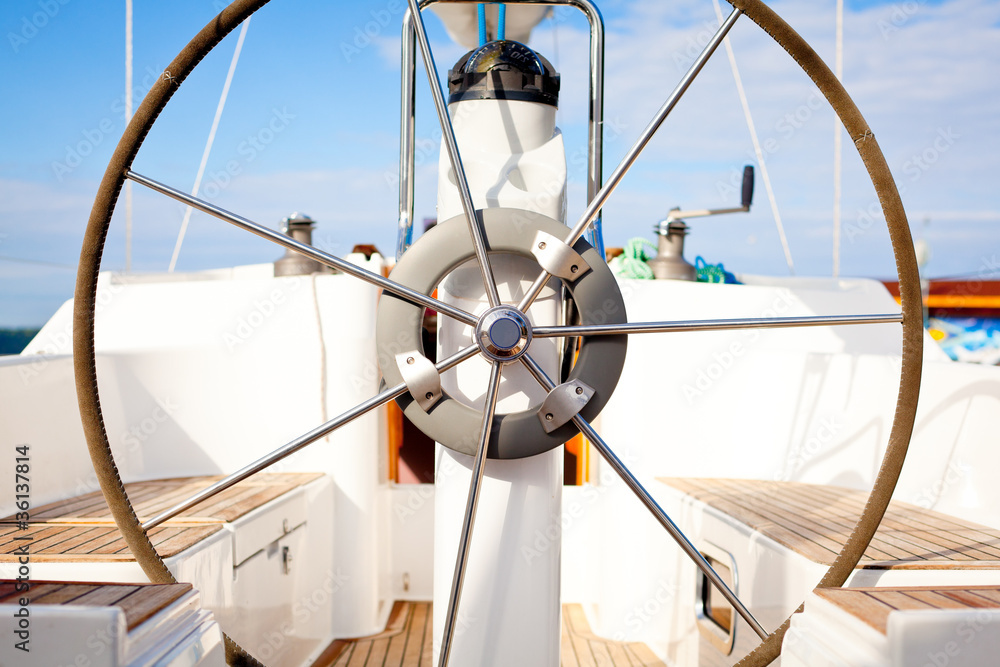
229	19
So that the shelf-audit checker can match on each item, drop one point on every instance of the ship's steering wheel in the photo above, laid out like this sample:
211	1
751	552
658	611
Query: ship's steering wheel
500	343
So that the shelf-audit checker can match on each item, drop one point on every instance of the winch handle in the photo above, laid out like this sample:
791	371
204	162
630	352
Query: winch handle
747	186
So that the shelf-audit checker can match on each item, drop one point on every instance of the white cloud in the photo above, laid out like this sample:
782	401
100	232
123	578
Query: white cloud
914	76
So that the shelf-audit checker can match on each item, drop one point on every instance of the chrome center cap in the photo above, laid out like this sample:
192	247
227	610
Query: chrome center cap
503	333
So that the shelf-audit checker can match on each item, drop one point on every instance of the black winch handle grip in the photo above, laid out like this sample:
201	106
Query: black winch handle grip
747	186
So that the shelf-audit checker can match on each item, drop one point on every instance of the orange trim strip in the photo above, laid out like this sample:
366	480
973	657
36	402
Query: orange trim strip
960	301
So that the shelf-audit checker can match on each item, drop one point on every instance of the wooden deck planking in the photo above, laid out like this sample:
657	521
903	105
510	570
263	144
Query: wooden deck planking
82	529
407	641
899	600
901	526
146	602
991	594
397	643
139	602
816	522
566	651
774	499
422	617
874	605
643	655
886	545
85	543
936	599
858	603
895	545
149	498
762	522
103	596
912	518
576	621
67	593
58	592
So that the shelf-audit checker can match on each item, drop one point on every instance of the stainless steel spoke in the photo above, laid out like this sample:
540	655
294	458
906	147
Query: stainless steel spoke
597	203
300	442
714	325
640	491
451	145
309	251
470	513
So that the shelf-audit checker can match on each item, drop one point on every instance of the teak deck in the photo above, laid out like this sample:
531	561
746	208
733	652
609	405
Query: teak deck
873	605
140	602
406	642
81	529
816	521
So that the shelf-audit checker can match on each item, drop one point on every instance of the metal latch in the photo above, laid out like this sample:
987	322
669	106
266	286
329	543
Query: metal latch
557	258
420	377
563	403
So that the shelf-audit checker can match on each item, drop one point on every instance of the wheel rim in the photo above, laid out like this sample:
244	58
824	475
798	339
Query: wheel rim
111	185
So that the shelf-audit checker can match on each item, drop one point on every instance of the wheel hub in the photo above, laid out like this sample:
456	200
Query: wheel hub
503	334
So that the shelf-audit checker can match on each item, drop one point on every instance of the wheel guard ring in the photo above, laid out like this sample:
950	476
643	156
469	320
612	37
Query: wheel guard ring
442	249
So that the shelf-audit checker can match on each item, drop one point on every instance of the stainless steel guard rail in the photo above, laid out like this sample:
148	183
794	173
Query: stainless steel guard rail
407	137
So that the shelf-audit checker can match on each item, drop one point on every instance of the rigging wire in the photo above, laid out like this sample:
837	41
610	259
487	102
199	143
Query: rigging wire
756	147
208	144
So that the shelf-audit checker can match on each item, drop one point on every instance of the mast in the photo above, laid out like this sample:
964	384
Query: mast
128	117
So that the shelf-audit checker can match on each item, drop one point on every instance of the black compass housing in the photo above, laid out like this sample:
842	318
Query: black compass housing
504	70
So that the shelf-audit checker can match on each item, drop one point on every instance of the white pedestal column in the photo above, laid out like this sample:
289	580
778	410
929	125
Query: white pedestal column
510	607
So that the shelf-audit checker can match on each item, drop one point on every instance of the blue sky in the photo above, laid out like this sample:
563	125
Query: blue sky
923	73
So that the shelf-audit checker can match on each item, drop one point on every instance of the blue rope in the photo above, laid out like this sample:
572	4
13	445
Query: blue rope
713	273
482	23
501	21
